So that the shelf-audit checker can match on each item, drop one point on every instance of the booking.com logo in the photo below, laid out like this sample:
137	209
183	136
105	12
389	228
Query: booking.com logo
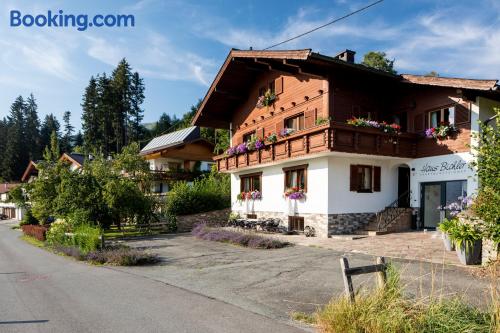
81	22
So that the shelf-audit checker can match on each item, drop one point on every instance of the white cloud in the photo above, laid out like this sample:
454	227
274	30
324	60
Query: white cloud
158	58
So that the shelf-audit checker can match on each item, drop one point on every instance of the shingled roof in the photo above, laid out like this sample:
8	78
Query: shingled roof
451	82
173	139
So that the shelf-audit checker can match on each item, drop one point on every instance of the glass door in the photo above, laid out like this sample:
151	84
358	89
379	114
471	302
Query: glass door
432	198
440	194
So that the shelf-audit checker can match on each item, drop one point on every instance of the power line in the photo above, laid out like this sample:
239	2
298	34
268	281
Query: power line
326	24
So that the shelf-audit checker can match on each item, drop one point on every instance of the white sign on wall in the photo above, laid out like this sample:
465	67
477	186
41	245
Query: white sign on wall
444	167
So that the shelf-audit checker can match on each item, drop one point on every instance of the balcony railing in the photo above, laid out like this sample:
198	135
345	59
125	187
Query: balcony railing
329	137
176	175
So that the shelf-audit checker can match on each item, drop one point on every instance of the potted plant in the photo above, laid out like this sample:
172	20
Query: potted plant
468	242
446	227
267	99
272	137
294	193
441	132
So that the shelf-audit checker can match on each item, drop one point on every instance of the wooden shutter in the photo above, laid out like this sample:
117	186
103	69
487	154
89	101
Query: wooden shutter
309	118
261	133
376	179
354	178
419	125
279	125
462	114
278	85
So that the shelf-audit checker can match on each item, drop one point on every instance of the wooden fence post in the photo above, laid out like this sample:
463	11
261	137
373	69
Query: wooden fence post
349	289
381	275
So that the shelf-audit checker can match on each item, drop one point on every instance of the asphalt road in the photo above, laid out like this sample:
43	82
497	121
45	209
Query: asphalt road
44	292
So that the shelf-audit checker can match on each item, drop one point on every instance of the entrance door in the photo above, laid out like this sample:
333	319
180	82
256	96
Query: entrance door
432	198
404	187
440	194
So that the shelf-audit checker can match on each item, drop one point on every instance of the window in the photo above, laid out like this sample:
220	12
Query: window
251	182
269	86
296	122
437	117
174	166
365	178
295	223
296	177
248	136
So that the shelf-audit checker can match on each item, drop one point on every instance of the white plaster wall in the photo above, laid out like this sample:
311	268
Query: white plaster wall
419	175
342	200
273	187
486	108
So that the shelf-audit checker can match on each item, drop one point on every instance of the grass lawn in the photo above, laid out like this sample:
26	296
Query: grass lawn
129	231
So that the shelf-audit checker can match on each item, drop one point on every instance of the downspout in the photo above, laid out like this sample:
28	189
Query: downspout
231	134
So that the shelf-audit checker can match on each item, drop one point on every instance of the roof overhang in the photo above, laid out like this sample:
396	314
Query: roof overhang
30	169
240	69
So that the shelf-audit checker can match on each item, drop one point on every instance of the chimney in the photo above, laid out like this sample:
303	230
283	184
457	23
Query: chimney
347	56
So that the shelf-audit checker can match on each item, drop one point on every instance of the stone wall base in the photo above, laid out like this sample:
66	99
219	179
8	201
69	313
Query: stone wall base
216	217
324	224
489	252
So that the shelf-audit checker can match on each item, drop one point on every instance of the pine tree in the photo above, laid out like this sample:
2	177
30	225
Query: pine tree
3	143
78	140
32	129
92	134
105	116
52	151
15	157
50	124
67	139
136	114
121	78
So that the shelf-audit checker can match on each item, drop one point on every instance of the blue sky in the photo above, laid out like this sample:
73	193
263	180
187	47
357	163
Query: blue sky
178	46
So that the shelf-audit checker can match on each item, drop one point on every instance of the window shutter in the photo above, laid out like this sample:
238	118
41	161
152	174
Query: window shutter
462	114
419	123
278	85
354	178
261	133
376	179
309	118
279	125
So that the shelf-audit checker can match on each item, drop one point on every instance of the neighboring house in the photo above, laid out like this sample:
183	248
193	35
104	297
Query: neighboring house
349	174
75	161
9	209
181	155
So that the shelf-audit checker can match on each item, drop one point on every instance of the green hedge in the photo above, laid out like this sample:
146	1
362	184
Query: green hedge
211	192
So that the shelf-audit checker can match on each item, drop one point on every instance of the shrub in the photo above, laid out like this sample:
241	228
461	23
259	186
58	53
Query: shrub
208	193
204	232
29	219
387	310
56	235
70	251
36	231
122	256
86	238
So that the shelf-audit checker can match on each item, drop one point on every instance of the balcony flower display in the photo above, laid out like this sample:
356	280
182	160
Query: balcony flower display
252	195
231	151
241	148
272	137
255	144
440	132
383	126
267	99
294	193
286	132
259	144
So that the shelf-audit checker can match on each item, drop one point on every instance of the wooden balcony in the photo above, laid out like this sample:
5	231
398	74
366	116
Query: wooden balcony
329	137
176	175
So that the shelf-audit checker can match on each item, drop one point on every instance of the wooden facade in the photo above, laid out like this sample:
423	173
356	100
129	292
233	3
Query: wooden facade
322	88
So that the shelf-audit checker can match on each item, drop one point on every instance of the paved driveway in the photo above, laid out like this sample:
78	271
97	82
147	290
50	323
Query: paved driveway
276	282
43	292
